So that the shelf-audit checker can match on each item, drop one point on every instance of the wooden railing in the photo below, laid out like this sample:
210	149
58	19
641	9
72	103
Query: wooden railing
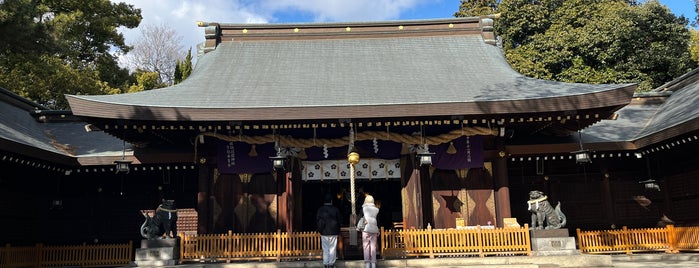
455	242
670	239
686	238
258	246
77	255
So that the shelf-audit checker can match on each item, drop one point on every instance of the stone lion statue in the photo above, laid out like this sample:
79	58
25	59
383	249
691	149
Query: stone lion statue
163	222
541	210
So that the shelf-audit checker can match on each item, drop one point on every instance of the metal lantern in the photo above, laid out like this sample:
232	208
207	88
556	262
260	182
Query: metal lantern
56	204
278	161
650	184
122	166
582	157
425	158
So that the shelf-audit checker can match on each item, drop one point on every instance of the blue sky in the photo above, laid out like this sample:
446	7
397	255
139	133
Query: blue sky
182	15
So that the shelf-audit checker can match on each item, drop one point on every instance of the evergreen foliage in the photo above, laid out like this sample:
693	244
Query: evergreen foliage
475	8
49	48
183	68
594	41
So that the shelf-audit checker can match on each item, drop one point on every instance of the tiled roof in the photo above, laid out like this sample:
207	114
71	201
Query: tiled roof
631	121
653	121
318	78
18	126
23	134
680	108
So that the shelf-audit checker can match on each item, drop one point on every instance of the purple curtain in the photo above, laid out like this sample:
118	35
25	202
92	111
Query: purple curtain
469	153
234	158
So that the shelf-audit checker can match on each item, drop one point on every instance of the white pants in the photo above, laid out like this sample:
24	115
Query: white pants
329	243
369	245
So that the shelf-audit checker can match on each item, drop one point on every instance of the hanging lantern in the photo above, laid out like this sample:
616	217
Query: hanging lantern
582	156
650	184
56	204
122	166
425	156
278	161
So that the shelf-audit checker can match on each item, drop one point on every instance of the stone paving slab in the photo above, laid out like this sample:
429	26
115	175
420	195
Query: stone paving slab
476	262
682	260
654	260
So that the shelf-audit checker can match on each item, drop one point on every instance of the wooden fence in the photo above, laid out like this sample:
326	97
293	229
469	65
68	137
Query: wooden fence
394	244
76	255
455	242
257	246
670	239
686	238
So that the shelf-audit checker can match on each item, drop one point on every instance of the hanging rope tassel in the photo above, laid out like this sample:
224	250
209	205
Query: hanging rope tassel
404	149
451	149
253	151
302	154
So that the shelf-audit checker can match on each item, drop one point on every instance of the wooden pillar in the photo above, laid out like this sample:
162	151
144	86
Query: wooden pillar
203	225
664	188
290	204
426	195
296	196
282	197
502	184
607	197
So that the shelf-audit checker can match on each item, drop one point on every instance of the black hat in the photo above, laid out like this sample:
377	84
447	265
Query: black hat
327	198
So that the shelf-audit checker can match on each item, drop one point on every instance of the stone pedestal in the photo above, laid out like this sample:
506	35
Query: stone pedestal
158	252
552	242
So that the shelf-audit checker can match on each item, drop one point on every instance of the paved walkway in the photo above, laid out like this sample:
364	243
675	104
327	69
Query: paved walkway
682	260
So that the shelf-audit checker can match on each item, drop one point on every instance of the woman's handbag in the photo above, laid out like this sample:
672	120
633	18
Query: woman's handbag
361	224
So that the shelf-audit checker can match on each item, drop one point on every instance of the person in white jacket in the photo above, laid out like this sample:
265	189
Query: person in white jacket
370	233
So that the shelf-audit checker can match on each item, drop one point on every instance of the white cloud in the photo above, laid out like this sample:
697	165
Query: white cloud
182	15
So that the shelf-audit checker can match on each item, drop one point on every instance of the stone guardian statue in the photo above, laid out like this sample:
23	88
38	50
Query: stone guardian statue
163	223
542	211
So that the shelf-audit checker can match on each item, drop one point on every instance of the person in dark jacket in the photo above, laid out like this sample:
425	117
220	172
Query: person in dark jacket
328	219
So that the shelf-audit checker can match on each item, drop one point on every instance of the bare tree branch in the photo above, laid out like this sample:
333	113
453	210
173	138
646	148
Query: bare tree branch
156	50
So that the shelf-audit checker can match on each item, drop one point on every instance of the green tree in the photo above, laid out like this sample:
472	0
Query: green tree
183	68
110	72
49	48
178	72
474	8
600	41
146	80
694	45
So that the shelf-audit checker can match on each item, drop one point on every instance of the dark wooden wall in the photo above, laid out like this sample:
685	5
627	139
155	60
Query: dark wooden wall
601	195
88	214
593	196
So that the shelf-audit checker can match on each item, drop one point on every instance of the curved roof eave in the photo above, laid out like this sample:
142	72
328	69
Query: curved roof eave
611	98
679	115
648	123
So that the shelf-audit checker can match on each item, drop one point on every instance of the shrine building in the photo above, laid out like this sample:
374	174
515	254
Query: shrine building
446	131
